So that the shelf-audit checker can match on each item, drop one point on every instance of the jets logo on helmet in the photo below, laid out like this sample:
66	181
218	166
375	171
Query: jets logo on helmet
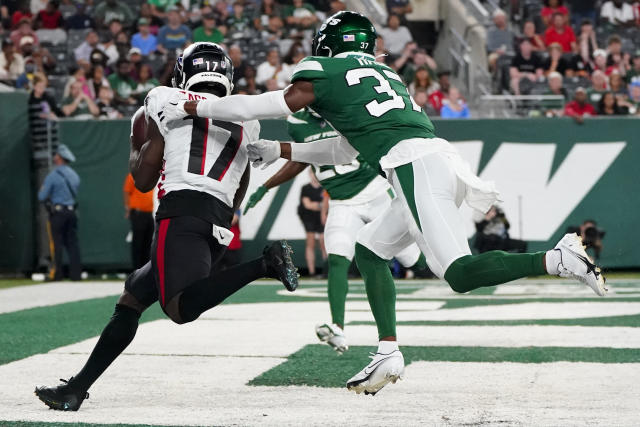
345	32
204	63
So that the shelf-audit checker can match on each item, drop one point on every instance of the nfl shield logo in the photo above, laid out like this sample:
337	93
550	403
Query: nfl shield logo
198	61
348	38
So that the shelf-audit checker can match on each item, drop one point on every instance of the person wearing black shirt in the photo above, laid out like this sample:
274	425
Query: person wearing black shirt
43	111
309	212
525	65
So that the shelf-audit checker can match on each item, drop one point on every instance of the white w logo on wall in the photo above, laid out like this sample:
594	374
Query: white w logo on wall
536	201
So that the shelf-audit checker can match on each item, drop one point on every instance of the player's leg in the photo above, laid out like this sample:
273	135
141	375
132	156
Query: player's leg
343	223
412	258
140	292
378	242
184	257
439	231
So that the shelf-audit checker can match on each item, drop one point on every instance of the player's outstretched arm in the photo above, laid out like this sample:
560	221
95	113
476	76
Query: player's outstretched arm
239	108
287	172
329	151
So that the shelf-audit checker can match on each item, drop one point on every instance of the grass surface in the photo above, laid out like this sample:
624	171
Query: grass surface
318	365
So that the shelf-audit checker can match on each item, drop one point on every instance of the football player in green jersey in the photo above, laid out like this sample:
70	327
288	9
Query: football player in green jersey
358	194
369	105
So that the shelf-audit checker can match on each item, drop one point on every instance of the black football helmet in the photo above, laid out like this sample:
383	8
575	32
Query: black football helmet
204	64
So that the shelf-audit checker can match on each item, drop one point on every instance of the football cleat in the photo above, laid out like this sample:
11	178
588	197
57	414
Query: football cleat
333	335
382	370
576	264
61	397
278	260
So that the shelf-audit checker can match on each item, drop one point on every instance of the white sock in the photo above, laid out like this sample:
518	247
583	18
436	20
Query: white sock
552	261
386	347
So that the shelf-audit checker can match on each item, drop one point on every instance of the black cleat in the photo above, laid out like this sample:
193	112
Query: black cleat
277	257
62	397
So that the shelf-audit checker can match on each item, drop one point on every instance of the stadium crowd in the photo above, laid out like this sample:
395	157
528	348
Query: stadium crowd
95	58
585	51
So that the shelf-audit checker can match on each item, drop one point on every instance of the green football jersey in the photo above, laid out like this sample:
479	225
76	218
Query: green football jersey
342	182
365	101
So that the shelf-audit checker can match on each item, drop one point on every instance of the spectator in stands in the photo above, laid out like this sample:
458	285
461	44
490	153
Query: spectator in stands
109	10
422	82
437	98
395	36
275	30
579	107
560	32
617	60
293	56
247	84
78	104
154	22
159	8
633	104
617	13
608	106
237	23
22	12
587	40
208	32
271	69
553	108
122	83
266	9
399	8
600	60
39	56
42	107
529	32
105	100
617	86
455	107
525	65
499	38
239	64
599	86
80	20
174	35
23	30
300	15
411	59
146	82
143	39
221	9
108	47
50	24
77	74
557	61
633	75
552	7
11	62
97	80
83	52
67	8
582	10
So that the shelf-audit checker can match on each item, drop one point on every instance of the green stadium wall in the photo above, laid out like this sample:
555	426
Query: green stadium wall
553	173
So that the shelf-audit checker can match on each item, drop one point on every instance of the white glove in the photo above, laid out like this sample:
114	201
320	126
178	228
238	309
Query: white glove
173	109
263	152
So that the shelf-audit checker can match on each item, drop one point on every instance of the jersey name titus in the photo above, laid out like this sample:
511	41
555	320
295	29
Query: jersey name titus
201	154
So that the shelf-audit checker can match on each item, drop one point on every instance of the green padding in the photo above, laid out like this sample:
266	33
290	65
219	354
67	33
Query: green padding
16	197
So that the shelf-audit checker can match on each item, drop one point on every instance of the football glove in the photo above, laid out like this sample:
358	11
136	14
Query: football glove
263	152
173	109
255	198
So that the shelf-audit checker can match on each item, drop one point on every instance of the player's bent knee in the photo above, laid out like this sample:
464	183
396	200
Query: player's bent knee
172	309
457	275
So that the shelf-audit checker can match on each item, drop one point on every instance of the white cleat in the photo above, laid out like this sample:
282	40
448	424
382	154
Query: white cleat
333	335
382	370
576	264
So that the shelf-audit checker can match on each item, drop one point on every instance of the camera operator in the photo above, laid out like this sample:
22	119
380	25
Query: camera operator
591	235
493	233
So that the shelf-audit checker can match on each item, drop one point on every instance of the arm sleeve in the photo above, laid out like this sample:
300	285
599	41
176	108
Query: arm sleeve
330	151
239	108
45	190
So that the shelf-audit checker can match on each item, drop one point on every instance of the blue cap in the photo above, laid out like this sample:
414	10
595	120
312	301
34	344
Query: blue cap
65	153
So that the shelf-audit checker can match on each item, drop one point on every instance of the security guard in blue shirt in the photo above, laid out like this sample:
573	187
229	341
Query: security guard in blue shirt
59	191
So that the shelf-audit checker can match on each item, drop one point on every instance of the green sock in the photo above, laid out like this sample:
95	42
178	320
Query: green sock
420	265
492	268
338	286
381	290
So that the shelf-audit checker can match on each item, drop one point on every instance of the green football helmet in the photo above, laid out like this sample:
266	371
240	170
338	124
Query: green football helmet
345	32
